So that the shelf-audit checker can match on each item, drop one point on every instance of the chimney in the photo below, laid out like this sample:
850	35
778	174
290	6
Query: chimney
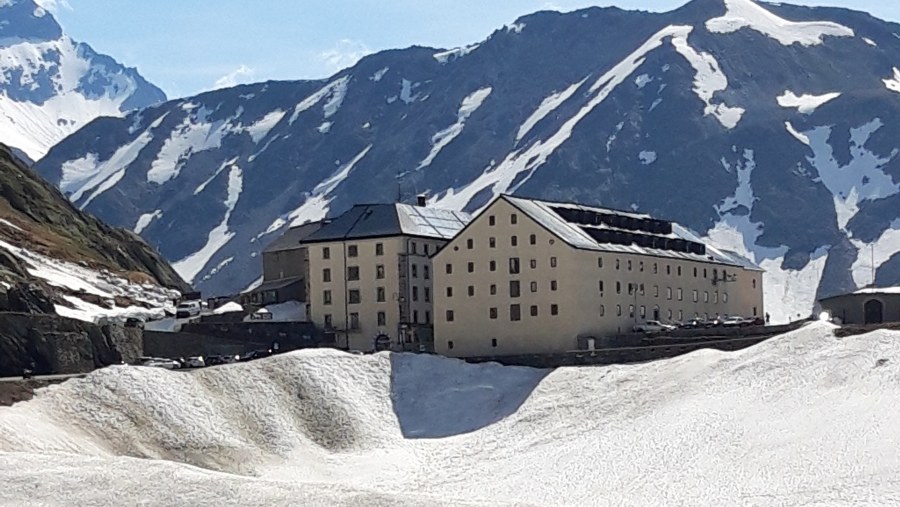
420	200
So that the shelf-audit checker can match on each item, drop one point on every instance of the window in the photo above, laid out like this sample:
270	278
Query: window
643	312
532	240
515	313
514	265
641	266
415	271
470	243
534	310
619	310
326	253
754	283
513	288
492	220
492	242
602	310
352	273
415	318
631	311
329	323
631	288
680	295
618	287
696	296
471	267
450	344
427	294
668	292
679	270
754	311
426	272
380	295
668	269
427	317
492	265
695	272
706	296
382	319
493	289
352	251
379	248
716	297
552	262
724	297
493	342
449	292
449	269
415	293
471	291
715	274
514	240
629	265
642	289
704	272
600	262
680	315
426	248
656	291
492	312
533	263
655	268
412	247
552	284
617	263
379	272
601	286
354	320
326	297
326	275
669	314
353	296
513	219
533	286
450	319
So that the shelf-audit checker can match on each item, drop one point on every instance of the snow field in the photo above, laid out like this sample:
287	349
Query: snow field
804	418
747	14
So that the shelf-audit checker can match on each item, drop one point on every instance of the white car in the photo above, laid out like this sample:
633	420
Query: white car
652	326
168	364
187	309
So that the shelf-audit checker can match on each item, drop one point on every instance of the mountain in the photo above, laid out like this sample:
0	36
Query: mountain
55	258
50	85
768	128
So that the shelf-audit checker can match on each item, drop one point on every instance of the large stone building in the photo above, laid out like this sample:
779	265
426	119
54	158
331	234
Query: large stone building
371	277
528	276
866	306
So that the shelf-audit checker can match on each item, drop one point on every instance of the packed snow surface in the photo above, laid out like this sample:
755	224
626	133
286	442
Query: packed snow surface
802	419
747	14
805	103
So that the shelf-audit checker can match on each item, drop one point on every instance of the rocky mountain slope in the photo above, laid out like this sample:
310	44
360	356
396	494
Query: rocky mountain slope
769	128
55	258
50	85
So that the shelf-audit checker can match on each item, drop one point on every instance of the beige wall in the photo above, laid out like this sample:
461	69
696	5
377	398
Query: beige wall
581	308
397	254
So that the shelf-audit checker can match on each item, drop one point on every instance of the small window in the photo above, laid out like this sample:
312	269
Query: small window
427	294
706	296
600	262
492	242
724	297
379	248
629	265
716	297
379	272
552	262
641	266
668	292
513	288
415	293
354	320
715	274
655	268
631	288
656	291
412	247
618	287
754	283
492	265
352	273
617	264
668	269
471	267
426	248
554	309
326	275
492	312
533	263
643	312
427	317
704	272
680	315
514	219
353	296
493	289
515	313
513	265
695	295
380	295
602	310
426	272
642	289
514	240
415	318
326	297
552	284
680	295
618	310
493	342
492	220
695	272
450	319
449	292
326	253
415	271
471	291
754	311
382	319
329	323
470	243
532	240
631	311
449	269
450	344
534	310
601	286
533	286
669	314
352	251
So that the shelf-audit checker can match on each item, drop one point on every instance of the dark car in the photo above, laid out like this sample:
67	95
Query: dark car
134	322
256	354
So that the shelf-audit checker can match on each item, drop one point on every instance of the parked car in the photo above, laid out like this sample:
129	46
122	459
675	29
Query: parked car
187	309
733	321
168	364
255	354
134	322
195	362
652	326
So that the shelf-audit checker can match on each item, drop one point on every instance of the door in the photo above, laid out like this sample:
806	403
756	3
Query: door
874	310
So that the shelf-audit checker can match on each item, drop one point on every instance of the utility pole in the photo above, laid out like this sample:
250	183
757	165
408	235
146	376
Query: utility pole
872	247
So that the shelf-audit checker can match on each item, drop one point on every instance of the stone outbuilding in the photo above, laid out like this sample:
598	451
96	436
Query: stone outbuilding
871	305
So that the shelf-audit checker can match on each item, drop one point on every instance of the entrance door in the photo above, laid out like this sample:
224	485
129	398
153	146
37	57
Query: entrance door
874	311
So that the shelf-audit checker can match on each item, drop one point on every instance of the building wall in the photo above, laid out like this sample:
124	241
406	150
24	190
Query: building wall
398	254
850	308
284	264
581	308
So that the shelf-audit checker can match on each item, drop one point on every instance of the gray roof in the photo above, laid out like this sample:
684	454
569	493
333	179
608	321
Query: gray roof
277	284
582	233
291	238
379	220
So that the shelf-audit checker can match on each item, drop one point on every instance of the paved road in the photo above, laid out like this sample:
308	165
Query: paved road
64	376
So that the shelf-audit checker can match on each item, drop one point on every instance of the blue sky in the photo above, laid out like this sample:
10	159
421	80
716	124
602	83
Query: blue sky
189	46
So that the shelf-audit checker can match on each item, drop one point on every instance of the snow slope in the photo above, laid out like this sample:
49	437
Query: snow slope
802	419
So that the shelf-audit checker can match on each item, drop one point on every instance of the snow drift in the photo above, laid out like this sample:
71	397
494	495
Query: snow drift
803	418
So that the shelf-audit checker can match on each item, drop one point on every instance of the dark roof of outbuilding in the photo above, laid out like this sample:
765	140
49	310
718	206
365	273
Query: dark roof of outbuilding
291	238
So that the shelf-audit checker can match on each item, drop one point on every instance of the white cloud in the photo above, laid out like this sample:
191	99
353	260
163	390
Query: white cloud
344	54
54	6
240	75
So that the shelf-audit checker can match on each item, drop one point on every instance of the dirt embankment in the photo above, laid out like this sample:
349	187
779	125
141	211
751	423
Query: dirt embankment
20	390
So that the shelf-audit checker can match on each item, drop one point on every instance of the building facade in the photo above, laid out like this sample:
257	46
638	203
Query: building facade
528	276
865	306
371	279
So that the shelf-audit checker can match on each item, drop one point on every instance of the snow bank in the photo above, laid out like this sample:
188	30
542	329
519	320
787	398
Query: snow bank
229	307
800	419
805	103
747	14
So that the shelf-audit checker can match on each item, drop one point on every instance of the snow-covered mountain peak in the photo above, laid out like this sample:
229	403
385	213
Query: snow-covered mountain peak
748	14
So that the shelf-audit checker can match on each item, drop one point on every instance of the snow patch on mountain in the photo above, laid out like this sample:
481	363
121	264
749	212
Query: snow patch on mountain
872	255
452	54
325	127
797	135
195	134
145	220
708	80
869	42
226	164
893	83
647	157
747	14
191	265
259	130
805	103
334	92
406	91
547	106
441	139
500	179
329	184
376	77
